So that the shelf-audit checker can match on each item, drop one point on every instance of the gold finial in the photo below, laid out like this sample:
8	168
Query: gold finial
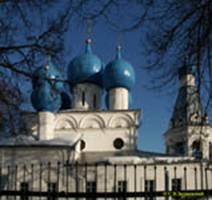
88	41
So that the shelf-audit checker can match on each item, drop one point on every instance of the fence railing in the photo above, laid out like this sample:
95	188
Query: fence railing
104	180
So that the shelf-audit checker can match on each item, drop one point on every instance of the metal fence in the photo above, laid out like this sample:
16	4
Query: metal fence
109	181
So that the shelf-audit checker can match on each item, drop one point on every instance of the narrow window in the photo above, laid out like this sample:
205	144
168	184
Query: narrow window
83	98
3	181
91	188
149	187
166	179
122	187
196	149
82	145
24	187
210	150
94	101
52	187
176	184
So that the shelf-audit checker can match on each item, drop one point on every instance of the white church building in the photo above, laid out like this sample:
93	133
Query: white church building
74	146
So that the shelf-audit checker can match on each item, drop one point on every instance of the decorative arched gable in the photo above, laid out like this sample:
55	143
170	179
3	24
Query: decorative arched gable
92	121
120	121
66	123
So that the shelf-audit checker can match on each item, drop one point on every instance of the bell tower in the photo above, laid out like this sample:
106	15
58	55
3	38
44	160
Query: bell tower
189	133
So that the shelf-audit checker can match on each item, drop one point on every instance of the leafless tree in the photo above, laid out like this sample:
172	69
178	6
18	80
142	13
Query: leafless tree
31	29
179	30
27	34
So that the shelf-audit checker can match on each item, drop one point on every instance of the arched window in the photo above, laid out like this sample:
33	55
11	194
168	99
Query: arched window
83	98
196	149
82	145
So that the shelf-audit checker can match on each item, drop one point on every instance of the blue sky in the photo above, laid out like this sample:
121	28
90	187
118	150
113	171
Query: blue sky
156	106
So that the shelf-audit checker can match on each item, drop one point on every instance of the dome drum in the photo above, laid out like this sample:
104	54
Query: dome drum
86	96
118	99
118	79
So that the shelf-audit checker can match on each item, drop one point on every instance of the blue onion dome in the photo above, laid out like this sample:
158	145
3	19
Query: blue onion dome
44	98
66	101
119	73
85	68
48	73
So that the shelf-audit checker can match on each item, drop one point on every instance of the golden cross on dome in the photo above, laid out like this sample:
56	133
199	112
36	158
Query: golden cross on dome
89	27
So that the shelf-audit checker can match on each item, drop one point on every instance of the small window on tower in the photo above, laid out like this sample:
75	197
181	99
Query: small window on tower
83	98
180	148
196	149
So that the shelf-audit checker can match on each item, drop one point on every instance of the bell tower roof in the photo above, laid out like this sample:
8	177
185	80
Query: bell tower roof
188	108
185	70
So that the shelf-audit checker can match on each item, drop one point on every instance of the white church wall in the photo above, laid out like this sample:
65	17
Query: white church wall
98	129
35	155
